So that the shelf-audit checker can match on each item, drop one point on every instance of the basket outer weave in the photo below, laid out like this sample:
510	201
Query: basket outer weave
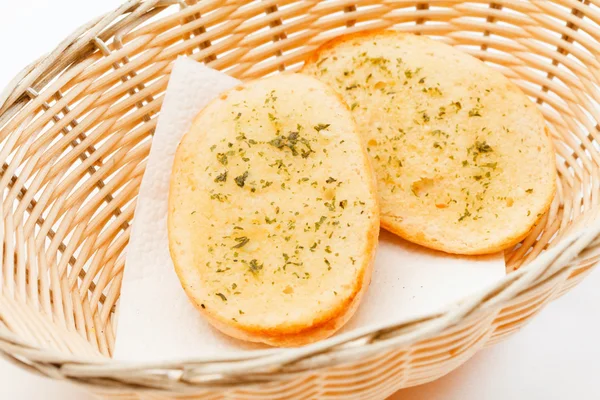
75	131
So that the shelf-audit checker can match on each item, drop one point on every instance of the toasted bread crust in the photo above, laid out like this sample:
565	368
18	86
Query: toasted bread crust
392	220
302	335
288	333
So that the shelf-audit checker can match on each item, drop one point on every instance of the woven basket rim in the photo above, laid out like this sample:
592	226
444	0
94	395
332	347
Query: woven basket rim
555	260
213	372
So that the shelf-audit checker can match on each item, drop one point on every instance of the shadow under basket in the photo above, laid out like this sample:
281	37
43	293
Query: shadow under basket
76	128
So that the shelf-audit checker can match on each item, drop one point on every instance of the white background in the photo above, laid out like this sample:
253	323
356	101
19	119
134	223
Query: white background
554	357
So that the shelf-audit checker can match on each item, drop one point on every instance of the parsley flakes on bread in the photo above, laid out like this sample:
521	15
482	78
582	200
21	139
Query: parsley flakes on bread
463	158
273	216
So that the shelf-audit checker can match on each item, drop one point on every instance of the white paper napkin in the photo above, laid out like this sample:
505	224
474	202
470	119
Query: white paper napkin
156	320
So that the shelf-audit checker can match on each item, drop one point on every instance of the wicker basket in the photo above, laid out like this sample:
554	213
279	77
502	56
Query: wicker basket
76	128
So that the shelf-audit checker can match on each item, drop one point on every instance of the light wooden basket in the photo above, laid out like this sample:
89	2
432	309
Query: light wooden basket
76	127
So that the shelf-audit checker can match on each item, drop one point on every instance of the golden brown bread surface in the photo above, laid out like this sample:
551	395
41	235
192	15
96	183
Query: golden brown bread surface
463	159
273	215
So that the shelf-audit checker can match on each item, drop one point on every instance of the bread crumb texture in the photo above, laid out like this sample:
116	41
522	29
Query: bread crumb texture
273	215
463	159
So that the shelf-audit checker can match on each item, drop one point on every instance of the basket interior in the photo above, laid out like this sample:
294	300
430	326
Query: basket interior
76	131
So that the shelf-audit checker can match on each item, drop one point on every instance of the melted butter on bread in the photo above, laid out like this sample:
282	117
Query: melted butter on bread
463	158
273	217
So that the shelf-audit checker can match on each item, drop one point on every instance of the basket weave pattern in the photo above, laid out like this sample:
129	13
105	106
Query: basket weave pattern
76	128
